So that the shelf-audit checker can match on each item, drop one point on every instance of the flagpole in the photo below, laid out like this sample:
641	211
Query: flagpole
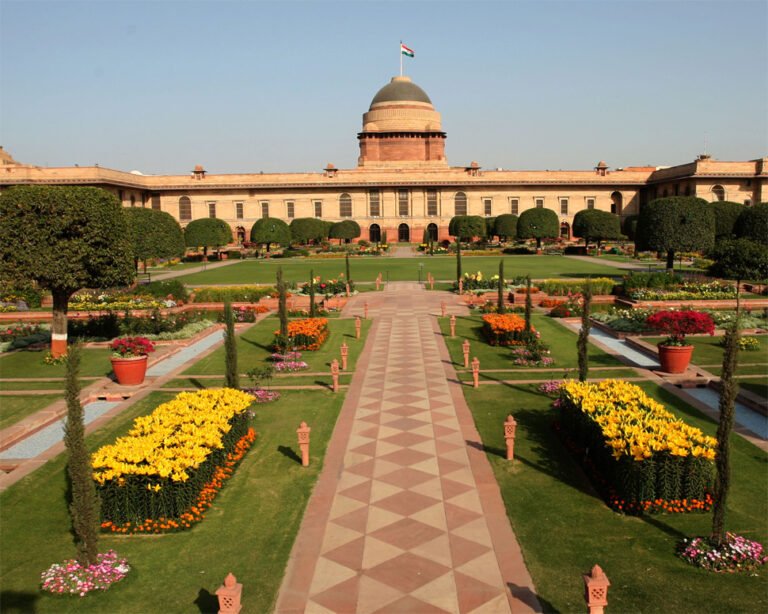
401	58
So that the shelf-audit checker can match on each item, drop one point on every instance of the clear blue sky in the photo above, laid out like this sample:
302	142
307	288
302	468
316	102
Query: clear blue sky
248	86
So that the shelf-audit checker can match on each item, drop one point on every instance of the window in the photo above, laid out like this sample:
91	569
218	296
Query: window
318	208
185	209
239	211
374	203
265	209
563	206
460	204
212	209
718	192
539	202
133	200
403	198
289	209
514	206
487	206
156	202
345	205
431	203
590	203
617	202
120	195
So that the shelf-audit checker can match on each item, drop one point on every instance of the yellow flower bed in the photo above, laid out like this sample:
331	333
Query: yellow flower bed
633	424
175	438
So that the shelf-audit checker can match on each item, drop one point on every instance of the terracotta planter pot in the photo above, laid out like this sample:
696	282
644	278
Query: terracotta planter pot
675	358
130	371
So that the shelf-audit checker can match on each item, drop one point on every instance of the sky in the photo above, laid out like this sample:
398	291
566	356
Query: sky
268	86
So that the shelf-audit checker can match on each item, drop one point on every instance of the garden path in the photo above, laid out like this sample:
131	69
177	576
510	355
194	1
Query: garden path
402	251
637	266
203	267
406	515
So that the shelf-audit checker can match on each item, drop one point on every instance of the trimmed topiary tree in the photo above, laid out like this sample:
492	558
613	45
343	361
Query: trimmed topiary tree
582	343
500	303
753	223
676	223
306	229
726	213
505	226
490	227
596	225
84	505
347	269
528	306
458	261
65	239
207	233
269	230
312	306
345	230
466	227
154	234
230	347
538	223
282	309
740	259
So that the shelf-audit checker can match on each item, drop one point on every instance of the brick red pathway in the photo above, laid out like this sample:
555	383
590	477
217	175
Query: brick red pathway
406	516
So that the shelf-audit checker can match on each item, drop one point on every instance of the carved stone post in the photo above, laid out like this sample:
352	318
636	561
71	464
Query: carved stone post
335	374
229	594
596	585
453	326
461	286
347	288
509	435
357	327
465	349
303	433
431	283
378	283
344	354
365	310
476	372
442	309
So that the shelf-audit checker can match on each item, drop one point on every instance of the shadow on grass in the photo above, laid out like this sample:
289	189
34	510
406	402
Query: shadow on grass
197	383
206	602
19	601
326	385
662	526
268	348
532	600
289	453
487	449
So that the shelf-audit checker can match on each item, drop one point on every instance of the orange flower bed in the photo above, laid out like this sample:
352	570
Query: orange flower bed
504	329
196	513
308	334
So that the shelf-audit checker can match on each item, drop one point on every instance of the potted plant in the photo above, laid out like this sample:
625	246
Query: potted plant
129	359
675	352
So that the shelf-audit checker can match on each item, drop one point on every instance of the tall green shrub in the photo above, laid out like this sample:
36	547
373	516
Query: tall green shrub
500	306
582	343
346	265
458	260
230	347
528	304
84	506
282	308
312	306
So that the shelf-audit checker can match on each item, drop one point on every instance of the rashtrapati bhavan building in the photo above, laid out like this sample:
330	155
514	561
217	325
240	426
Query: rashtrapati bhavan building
403	184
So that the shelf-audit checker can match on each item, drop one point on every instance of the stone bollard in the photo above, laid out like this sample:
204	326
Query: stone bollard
465	349
461	287
365	310
453	326
442	309
335	374
229	594
303	433
357	327
378	284
476	372
596	585
347	288
431	284
509	435
344	354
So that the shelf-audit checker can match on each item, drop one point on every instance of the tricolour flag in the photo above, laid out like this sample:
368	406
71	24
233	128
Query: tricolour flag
406	51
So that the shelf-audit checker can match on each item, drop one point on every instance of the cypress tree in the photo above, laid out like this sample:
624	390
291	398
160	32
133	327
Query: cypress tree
312	306
346	264
528	304
84	504
282	309
230	347
583	342
500	307
458	260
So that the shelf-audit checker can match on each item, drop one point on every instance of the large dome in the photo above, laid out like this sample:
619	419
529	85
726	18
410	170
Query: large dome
400	89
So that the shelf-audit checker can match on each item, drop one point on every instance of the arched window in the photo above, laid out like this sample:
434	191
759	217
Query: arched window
432	232
345	205
240	234
565	230
403	233
718	192
617	203
374	233
460	202
185	209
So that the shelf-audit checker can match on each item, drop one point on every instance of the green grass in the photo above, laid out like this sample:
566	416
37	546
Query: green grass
13	408
249	530
564	528
756	385
253	348
398	269
299	380
707	350
95	362
33	385
562	343
497	376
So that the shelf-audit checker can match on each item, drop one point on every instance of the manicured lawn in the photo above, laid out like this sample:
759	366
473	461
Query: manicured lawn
95	362
527	374
399	269
562	343
253	348
249	530
14	408
756	385
564	528
707	350
277	381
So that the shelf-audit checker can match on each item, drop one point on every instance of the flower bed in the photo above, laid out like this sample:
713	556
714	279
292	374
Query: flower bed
308	334
564	287
504	329
645	459
736	553
687	291
329	287
157	476
290	366
236	294
70	577
114	302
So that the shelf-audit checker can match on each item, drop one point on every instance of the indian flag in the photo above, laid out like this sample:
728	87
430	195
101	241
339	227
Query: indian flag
406	51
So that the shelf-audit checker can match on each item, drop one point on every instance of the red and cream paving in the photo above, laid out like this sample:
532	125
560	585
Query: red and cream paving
406	529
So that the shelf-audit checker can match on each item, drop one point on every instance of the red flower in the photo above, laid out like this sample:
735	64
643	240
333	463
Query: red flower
678	324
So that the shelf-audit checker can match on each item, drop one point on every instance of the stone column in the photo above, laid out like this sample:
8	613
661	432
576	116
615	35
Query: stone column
476	372
303	434
357	327
442	309
509	435
335	374
344	354
453	326
465	349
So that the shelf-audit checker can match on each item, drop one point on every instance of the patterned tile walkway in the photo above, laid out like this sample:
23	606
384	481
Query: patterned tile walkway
406	516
